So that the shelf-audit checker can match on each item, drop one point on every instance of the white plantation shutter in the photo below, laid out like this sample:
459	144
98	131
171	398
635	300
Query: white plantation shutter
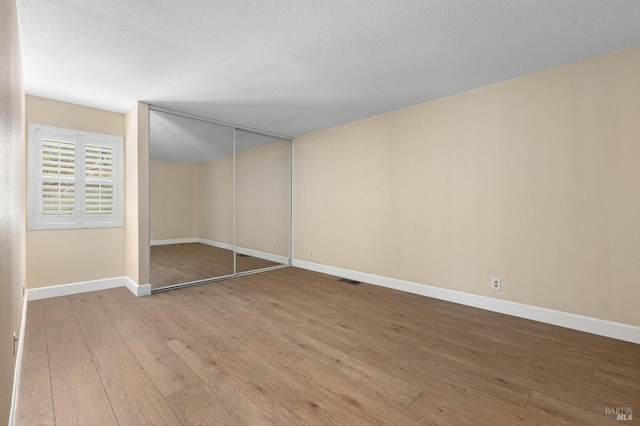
57	191
75	179
99	180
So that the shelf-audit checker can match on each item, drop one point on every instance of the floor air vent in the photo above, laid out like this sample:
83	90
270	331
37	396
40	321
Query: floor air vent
348	281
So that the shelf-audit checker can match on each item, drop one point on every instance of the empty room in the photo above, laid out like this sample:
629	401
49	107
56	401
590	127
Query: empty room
310	213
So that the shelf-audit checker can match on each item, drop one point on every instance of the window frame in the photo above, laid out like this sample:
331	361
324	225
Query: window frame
36	219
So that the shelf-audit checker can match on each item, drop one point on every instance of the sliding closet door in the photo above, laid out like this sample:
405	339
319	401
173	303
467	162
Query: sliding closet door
191	200
263	201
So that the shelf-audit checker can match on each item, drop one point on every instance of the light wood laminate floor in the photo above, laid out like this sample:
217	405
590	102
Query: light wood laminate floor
183	263
293	347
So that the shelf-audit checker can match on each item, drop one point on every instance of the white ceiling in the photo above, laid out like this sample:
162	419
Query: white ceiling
295	66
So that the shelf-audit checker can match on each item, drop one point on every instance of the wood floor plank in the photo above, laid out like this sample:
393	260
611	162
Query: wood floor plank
565	412
616	373
35	402
199	405
247	396
544	334
539	373
367	332
396	390
96	327
164	367
133	396
450	403
69	358
258	389
525	343
284	388
423	366
320	331
365	403
84	405
285	352
303	309
116	307
538	361
171	323
459	350
233	295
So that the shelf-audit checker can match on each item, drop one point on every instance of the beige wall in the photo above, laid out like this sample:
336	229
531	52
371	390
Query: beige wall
137	194
174	211
262	201
215	200
12	198
535	180
67	256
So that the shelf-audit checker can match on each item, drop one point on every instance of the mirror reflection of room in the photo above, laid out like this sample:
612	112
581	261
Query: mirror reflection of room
201	227
263	204
191	200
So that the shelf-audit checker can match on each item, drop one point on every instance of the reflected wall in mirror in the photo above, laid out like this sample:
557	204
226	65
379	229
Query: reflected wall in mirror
263	201
191	200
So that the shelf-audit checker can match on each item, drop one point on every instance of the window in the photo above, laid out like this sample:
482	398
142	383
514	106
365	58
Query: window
75	179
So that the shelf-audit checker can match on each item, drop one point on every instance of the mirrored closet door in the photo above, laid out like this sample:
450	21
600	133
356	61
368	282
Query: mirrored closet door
191	200
220	200
263	202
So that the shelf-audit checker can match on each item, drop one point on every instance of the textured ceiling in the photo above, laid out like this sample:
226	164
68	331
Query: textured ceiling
295	66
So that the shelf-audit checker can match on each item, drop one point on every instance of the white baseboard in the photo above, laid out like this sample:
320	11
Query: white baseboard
85	286
74	288
263	255
597	326
249	252
138	290
218	244
173	241
18	367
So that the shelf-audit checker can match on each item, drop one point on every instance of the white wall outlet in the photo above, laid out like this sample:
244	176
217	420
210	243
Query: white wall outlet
311	253
496	284
273	245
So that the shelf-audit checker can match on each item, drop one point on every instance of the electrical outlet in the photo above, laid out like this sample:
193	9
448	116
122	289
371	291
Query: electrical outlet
273	245
153	234
311	253
496	284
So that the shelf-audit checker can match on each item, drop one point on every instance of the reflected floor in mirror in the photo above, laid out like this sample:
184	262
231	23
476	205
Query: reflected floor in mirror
181	263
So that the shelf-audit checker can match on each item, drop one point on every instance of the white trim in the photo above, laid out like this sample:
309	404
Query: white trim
80	139
597	326
218	244
263	255
292	204
85	286
74	288
138	290
249	252
18	366
173	241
